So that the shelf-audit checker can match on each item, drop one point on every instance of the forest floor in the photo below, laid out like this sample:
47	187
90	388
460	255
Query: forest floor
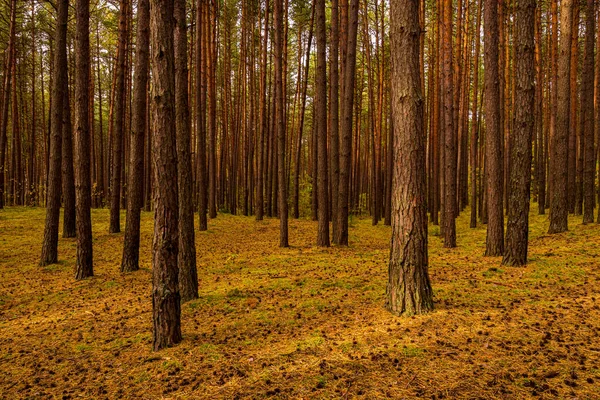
302	322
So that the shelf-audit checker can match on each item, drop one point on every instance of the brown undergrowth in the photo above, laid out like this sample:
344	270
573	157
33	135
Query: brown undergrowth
303	322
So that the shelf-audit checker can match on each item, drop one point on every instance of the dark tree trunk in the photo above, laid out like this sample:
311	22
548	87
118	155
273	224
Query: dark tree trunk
474	121
517	227
50	244
264	127
349	68
493	133
559	206
334	117
68	177
280	125
201	115
119	122
6	99
165	286
84	267
587	110
188	275
448	132
408	289
131	247
321	118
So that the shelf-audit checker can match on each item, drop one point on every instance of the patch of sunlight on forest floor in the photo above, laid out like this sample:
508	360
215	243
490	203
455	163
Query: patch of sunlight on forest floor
302	322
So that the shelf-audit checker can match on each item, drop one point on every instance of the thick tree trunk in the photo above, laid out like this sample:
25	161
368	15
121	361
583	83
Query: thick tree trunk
50	243
188	274
517	228
165	286
408	289
131	247
84	267
559	206
493	134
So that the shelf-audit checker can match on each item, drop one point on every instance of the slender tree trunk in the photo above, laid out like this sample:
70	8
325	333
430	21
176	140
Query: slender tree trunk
264	127
188	274
321	118
6	97
280	124
559	206
408	289
131	247
68	177
119	122
449	187
493	134
474	121
50	243
517	228
572	149
165	286
334	118
202	173
348	76
587	109
84	267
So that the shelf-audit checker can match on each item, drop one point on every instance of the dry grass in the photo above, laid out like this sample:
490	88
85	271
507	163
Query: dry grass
301	322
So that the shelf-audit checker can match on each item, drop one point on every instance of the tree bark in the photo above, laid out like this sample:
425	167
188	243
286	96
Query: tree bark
166	309
68	175
321	118
517	228
493	134
131	247
408	289
119	121
188	274
559	206
50	243
84	267
350	32
280	125
449	134
587	109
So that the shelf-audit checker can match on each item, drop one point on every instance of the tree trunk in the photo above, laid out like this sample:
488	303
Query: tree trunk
119	122
493	134
280	124
68	177
131	247
321	120
587	110
449	134
188	274
166	309
50	243
474	121
84	267
559	206
517	227
408	289
6	97
349	68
